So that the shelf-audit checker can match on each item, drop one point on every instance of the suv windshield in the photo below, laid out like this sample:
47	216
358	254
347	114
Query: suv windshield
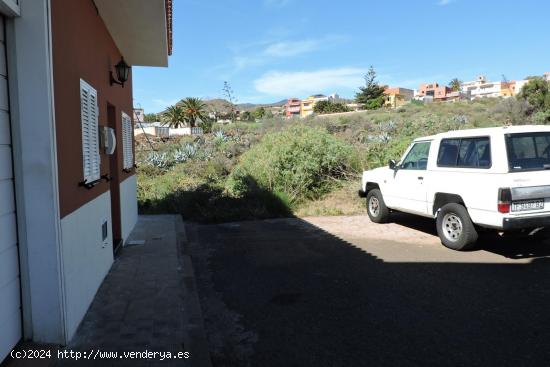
528	151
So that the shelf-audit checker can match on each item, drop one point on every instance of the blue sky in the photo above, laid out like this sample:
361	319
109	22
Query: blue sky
272	49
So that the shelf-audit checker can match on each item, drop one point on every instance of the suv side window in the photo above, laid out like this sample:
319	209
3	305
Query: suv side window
417	159
448	153
465	153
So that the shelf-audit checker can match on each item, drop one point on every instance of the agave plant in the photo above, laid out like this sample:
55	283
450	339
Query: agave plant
387	127
159	160
185	153
381	138
205	154
220	137
460	119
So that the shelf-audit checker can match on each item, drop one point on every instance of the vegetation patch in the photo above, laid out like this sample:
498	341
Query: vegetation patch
278	168
299	163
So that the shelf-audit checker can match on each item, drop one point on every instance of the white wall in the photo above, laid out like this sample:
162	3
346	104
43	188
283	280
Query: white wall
86	257
35	166
148	130
186	131
128	205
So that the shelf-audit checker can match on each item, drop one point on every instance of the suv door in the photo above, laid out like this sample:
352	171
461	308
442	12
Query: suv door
407	183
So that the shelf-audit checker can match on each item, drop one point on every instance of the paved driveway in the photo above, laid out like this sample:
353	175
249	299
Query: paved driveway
342	291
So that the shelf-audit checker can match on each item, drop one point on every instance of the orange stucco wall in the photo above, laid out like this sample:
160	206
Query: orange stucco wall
83	49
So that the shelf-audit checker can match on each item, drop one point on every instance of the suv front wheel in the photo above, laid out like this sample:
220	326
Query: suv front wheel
455	228
376	208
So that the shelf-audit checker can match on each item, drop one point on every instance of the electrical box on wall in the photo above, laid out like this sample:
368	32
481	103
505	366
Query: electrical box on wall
108	140
104	232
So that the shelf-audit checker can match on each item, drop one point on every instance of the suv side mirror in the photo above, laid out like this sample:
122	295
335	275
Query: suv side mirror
392	164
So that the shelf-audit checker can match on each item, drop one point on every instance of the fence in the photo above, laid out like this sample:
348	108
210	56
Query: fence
165	132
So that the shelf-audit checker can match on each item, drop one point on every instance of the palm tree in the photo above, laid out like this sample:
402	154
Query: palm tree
194	109
455	84
174	116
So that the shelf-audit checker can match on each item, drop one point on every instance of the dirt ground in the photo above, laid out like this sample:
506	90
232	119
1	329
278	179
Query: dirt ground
342	291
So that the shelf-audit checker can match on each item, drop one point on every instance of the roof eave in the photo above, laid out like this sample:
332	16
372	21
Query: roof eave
141	29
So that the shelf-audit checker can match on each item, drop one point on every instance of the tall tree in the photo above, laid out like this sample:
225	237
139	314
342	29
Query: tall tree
150	117
324	107
247	116
194	109
537	93
455	84
371	96
259	113
174	116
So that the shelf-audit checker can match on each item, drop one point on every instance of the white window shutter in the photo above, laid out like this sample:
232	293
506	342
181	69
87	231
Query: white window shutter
127	141
89	115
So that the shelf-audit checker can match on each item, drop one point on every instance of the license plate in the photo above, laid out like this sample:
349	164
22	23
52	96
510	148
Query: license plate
520	206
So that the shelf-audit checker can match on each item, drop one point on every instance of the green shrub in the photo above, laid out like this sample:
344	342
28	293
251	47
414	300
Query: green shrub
541	117
298	163
206	125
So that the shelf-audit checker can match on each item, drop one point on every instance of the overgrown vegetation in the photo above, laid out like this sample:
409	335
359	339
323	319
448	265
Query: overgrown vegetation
277	168
296	164
536	95
325	107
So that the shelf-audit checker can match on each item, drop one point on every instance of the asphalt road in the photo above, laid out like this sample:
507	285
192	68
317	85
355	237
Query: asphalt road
342	291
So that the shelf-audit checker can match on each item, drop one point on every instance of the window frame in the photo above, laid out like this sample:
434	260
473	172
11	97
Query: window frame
461	138
91	135
507	143
408	152
127	142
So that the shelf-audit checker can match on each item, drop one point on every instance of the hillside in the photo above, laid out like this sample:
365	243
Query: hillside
252	106
233	174
223	107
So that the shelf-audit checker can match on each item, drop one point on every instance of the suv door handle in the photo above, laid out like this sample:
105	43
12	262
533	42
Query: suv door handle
420	178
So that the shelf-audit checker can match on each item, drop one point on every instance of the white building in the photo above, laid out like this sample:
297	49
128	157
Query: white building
519	86
481	88
67	191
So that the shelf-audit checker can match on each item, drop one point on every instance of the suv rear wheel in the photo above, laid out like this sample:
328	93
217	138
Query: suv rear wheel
376	208
455	228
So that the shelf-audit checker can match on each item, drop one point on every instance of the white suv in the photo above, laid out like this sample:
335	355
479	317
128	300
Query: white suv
497	178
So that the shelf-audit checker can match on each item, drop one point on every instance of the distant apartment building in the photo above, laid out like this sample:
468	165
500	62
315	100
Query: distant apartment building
397	97
293	108
508	89
547	76
309	103
441	92
519	85
434	92
426	90
482	88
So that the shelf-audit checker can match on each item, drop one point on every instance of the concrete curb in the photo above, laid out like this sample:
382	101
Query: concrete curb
195	339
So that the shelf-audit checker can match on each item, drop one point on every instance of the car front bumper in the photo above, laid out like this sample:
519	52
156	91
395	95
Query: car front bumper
361	194
510	224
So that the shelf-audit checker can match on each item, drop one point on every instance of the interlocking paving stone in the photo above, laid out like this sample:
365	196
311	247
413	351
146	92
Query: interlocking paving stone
140	305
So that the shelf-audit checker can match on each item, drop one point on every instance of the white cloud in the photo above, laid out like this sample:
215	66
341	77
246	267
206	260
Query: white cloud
286	84
263	52
288	49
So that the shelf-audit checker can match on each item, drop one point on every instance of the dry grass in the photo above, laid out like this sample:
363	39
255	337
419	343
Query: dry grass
343	201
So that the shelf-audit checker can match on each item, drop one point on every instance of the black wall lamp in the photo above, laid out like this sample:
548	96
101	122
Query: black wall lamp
122	71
